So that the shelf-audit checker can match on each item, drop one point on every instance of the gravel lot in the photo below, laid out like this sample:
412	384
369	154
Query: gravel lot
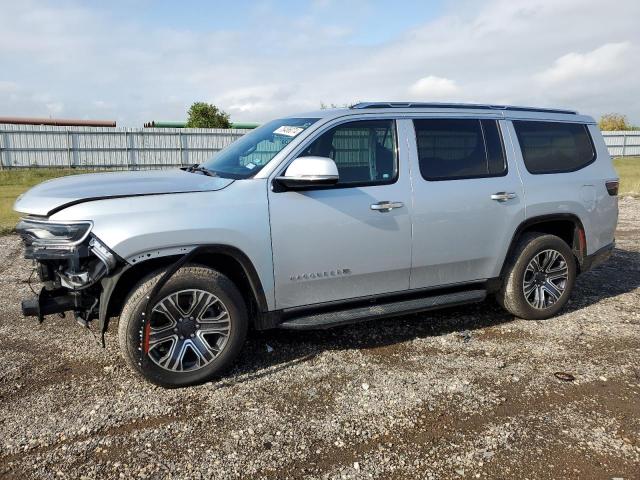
461	393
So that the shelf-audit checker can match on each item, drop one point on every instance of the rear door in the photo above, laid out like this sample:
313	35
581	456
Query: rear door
468	200
336	243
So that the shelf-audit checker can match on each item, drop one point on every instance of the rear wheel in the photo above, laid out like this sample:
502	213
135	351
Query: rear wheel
539	278
196	328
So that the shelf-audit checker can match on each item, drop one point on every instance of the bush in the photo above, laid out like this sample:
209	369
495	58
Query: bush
614	121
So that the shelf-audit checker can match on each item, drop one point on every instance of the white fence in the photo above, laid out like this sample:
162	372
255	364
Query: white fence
623	143
109	148
145	148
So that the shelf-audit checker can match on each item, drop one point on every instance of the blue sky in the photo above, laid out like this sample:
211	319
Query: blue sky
368	22
141	60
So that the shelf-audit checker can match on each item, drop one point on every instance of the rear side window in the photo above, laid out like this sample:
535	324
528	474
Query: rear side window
554	147
455	149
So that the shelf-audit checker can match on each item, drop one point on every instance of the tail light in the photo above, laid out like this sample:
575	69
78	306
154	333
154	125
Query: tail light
612	187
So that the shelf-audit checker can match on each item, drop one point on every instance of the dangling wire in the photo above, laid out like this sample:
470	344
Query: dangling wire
29	281
93	334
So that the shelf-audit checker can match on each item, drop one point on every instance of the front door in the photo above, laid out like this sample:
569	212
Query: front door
468	200
335	243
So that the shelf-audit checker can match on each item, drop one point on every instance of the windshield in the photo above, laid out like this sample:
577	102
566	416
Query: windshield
250	153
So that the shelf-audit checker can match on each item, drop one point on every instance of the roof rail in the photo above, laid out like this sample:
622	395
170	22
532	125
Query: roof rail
468	106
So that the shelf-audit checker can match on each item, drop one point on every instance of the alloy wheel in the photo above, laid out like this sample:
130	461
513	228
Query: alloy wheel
187	331
545	279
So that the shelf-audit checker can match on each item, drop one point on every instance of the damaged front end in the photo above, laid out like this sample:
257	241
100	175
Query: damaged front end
70	262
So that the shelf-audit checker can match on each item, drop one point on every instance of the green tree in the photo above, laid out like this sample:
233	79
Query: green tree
614	121
206	115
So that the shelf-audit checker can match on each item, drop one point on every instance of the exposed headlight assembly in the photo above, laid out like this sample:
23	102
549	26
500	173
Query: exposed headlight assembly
42	234
100	263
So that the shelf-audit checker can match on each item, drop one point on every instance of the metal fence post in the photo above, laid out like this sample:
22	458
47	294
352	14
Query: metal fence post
75	155
181	153
8	141
69	156
133	151
2	149
126	149
624	143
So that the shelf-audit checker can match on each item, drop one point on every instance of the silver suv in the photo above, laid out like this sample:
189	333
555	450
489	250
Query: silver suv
324	219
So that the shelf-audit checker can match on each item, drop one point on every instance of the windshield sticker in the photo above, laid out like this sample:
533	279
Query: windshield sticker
250	166
288	131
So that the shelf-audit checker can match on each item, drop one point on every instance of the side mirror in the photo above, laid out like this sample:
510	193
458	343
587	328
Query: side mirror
306	172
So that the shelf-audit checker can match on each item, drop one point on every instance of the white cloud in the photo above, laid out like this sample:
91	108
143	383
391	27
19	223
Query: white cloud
432	87
62	57
255	98
603	61
54	108
8	87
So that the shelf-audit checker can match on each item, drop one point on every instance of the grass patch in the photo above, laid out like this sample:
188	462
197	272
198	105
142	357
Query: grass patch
629	170
15	182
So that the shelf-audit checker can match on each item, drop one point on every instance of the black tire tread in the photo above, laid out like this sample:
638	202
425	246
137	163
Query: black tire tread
136	299
510	296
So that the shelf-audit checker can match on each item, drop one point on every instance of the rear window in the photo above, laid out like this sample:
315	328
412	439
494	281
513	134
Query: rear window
554	147
452	149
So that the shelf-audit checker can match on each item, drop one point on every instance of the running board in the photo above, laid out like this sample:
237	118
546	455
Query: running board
343	317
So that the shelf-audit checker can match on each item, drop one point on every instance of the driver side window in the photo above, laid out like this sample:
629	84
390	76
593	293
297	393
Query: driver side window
364	151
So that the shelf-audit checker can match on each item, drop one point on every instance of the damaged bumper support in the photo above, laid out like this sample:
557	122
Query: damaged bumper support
48	302
70	262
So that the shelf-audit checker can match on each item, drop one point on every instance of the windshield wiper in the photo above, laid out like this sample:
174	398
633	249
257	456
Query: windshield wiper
197	168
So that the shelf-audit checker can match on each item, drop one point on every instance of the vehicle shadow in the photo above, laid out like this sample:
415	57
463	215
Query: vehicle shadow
618	275
270	351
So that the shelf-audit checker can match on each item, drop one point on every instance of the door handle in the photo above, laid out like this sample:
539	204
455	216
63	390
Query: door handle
386	206
503	196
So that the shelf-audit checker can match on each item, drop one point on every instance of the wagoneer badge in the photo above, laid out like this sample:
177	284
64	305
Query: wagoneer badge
339	272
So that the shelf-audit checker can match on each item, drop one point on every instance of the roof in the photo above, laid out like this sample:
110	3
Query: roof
464	106
411	108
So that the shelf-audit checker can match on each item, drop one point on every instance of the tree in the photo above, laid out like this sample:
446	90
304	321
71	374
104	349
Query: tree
614	121
205	115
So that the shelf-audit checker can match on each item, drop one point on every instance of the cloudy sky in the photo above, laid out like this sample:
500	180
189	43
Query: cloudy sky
141	60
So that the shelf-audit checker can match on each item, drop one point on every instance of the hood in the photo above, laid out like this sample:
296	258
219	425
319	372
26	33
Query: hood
54	195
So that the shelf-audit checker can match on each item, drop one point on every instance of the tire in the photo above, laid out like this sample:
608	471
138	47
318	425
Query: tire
189	339
521	273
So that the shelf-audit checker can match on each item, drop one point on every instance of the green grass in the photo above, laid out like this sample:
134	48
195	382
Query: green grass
629	170
14	182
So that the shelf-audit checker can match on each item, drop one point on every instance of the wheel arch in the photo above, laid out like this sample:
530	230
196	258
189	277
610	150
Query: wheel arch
566	226
228	260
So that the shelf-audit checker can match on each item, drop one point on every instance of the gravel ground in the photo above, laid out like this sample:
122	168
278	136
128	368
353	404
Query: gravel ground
461	393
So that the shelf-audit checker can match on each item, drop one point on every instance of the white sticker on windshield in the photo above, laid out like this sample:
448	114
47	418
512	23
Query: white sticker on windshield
250	166
288	131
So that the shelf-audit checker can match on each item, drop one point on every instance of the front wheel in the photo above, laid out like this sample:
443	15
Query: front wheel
196	328
539	277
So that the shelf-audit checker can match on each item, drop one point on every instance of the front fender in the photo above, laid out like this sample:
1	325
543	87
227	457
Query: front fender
143	228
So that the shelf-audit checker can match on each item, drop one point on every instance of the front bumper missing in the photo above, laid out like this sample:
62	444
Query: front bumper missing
71	276
49	302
